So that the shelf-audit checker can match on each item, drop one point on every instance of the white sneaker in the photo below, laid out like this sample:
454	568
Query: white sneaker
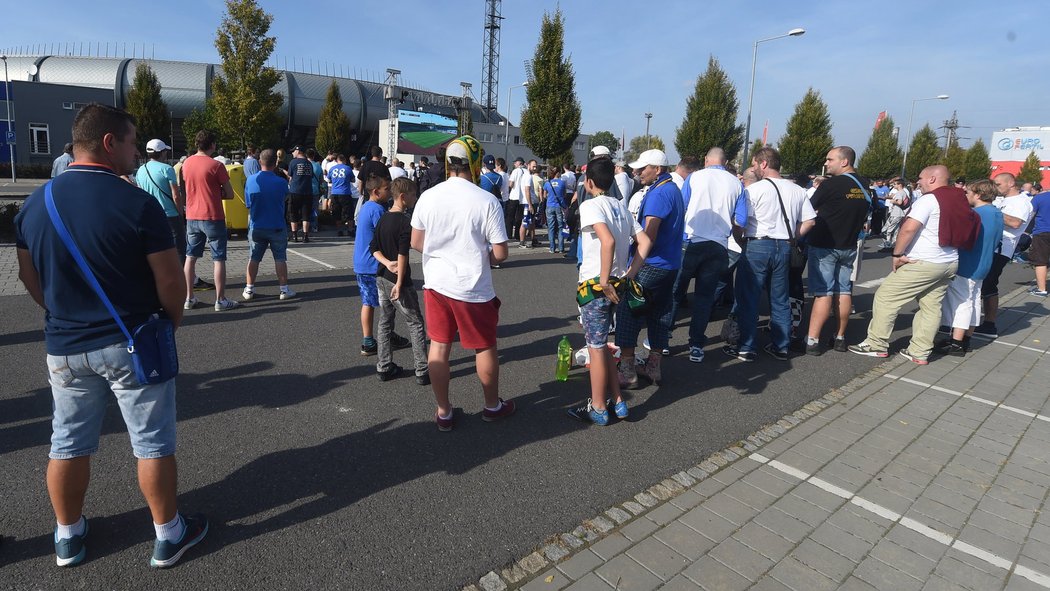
247	295
225	304
288	293
190	304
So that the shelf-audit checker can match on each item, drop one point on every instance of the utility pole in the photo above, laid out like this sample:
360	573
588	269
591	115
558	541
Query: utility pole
490	59
392	94
648	117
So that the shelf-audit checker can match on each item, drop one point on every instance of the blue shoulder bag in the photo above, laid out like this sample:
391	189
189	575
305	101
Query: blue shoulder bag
152	344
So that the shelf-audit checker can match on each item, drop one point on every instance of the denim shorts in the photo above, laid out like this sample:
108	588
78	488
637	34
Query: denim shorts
830	270
277	241
366	284
200	231
596	316
80	388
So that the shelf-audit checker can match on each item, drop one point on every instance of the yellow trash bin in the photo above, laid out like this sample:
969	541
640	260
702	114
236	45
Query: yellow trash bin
236	210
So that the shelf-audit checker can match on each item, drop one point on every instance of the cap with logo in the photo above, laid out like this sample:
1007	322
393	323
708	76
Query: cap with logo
600	151
489	161
155	145
650	158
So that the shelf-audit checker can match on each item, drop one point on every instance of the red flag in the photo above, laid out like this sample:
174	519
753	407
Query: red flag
765	133
878	120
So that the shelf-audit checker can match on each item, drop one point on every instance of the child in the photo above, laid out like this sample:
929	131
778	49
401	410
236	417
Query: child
606	229
390	245
366	266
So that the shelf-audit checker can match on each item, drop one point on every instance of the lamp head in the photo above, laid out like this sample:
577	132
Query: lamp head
797	32
942	97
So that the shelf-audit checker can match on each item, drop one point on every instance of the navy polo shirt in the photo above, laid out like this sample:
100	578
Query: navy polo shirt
115	225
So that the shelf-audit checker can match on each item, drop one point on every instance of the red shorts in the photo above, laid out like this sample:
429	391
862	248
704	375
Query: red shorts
475	321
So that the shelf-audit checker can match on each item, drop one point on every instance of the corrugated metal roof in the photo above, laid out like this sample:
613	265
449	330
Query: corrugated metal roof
182	83
95	72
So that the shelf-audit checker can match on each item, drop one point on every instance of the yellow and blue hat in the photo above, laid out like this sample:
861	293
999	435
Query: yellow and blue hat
465	149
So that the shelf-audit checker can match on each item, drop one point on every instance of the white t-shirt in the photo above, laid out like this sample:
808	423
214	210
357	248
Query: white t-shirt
624	184
764	219
927	246
461	221
397	172
570	182
515	177
622	225
504	189
634	205
525	180
678	179
1018	206
709	214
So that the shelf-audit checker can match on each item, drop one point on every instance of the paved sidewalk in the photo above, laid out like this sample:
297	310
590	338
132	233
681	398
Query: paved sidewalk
912	477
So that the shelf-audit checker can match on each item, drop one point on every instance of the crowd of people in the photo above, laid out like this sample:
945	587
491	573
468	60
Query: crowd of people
641	232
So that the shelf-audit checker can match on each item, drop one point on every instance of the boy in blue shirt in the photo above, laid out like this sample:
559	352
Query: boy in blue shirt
366	266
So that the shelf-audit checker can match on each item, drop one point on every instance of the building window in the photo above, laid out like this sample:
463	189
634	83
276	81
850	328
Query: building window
39	139
517	140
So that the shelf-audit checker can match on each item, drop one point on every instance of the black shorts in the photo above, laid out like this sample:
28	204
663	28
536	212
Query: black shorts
1039	253
513	217
990	285
343	208
300	207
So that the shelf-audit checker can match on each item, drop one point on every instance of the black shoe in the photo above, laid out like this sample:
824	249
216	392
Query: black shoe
951	347
747	356
306	237
202	285
944	328
797	345
399	342
815	349
776	353
423	380
840	345
394	371
987	329
295	236
367	349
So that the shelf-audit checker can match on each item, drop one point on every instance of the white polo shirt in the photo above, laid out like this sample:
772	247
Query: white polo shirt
764	219
712	194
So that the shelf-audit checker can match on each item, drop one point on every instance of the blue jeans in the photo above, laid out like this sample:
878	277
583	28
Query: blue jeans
659	286
763	261
80	388
706	262
555	222
724	291
211	231
830	270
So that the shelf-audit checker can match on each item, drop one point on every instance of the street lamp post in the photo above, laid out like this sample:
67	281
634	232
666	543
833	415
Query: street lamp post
506	131
911	118
751	94
648	116
7	101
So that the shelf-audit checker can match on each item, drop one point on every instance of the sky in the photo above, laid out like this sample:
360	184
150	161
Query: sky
863	57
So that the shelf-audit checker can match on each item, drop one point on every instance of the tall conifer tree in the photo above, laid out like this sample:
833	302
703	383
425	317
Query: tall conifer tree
882	157
710	116
550	120
152	119
922	152
333	126
808	138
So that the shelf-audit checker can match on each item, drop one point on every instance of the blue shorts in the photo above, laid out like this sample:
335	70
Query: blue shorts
276	240
80	388
366	284
596	316
200	231
830	270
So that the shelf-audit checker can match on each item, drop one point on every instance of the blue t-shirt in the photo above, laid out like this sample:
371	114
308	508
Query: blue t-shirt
664	201
156	178
367	220
555	189
341	177
492	182
880	197
1041	209
115	225
264	195
251	166
975	263
301	177
318	175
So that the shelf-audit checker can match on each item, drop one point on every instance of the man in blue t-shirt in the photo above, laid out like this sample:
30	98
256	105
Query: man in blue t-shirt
1039	252
557	204
662	217
491	180
251	161
264	195
300	193
341	182
878	212
126	242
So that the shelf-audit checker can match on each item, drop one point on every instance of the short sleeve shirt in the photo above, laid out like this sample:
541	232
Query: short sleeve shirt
204	178
156	178
393	237
927	246
842	210
1019	207
367	220
664	200
301	173
622	225
341	178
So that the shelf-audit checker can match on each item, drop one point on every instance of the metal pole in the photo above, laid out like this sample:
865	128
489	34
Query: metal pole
907	138
750	99
648	116
7	100
506	130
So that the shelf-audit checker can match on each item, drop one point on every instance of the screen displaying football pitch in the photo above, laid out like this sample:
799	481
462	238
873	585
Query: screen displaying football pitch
423	133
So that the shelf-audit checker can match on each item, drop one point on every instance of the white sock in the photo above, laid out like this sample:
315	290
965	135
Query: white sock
65	532
812	341
249	287
498	406
445	417
171	531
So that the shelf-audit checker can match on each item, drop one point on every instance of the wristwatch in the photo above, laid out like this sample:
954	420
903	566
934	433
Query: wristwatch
897	256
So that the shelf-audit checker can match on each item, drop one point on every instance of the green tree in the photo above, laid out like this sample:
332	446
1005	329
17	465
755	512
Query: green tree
604	138
333	126
638	145
955	159
808	137
245	104
197	120
1030	172
922	152
152	119
710	116
977	164
882	157
550	120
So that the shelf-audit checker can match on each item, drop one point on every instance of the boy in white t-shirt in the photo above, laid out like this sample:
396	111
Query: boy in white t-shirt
606	229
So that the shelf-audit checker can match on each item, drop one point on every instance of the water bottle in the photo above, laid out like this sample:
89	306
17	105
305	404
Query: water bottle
561	372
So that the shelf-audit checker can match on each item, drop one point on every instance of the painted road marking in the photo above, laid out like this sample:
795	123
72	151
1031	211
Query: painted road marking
998	405
872	283
309	258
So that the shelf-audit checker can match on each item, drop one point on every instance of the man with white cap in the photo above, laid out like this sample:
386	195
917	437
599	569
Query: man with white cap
157	178
661	217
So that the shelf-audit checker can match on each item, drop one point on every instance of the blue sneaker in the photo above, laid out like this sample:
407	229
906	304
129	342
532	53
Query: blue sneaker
621	409
696	354
71	551
587	414
167	553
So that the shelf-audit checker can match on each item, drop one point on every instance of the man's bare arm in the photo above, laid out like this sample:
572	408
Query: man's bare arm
27	273
170	282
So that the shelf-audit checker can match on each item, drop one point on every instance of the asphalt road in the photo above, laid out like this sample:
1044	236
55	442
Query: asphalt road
316	475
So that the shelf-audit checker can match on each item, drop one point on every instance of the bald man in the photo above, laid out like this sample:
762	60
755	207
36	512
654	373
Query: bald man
923	266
